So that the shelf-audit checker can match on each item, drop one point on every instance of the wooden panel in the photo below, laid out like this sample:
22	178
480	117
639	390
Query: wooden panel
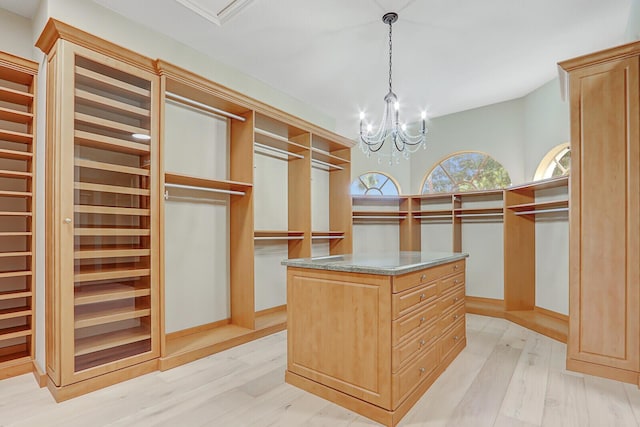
356	357
448	283
604	291
446	301
449	341
420	341
299	200
519	253
450	317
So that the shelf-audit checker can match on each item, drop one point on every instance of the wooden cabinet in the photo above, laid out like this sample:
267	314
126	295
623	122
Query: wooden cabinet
373	343
604	337
102	203
17	120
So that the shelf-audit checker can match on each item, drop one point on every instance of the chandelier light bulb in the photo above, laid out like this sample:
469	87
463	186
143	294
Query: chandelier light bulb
390	130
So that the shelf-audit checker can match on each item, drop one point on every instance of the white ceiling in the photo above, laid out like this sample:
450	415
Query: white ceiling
449	55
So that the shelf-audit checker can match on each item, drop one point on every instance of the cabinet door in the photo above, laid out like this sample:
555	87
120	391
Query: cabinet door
604	231
108	208
339	327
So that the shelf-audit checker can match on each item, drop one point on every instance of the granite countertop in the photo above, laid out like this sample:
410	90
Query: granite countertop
383	263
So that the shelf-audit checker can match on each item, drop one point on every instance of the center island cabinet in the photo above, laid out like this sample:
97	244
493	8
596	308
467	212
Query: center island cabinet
372	332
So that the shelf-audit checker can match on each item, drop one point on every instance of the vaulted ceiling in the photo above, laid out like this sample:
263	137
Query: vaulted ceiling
448	55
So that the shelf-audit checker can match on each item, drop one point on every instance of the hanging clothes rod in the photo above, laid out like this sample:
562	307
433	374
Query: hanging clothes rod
277	150
279	238
433	216
191	103
478	215
329	165
193	187
542	211
378	217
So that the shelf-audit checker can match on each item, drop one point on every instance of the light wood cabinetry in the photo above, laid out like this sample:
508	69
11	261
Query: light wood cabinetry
373	343
17	239
102	291
604	92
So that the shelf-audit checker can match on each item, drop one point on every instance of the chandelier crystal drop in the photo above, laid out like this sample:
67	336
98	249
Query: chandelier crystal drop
390	128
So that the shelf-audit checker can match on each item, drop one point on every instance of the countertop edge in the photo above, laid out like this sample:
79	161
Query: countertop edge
384	271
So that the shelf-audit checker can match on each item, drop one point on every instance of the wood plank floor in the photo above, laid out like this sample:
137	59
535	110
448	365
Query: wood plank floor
507	376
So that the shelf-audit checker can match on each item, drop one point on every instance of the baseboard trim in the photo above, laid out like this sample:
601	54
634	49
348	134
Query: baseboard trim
13	368
62	393
612	373
39	374
485	306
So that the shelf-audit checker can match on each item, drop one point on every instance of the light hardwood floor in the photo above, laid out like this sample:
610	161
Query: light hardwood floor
507	376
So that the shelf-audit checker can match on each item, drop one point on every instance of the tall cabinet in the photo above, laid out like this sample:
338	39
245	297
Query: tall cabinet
102	203
17	119
604	293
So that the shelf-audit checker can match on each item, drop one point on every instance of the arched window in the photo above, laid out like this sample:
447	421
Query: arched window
375	184
466	171
557	162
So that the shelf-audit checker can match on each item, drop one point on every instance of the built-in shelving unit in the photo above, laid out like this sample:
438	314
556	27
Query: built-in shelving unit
17	123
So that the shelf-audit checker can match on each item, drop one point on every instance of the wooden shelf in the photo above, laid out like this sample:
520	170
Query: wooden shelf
277	141
15	332
108	210
15	312
12	136
542	323
434	196
94	140
478	212
278	235
15	116
5	213
86	186
109	84
481	194
108	292
23	273
23	194
540	207
545	184
111	253
181	179
15	233
87	274
327	157
112	105
109	124
110	167
378	200
15	155
110	340
379	215
9	295
441	213
15	174
14	254
327	235
15	96
88	315
91	231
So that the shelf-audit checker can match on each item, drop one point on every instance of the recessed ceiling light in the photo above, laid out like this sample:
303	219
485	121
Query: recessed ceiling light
141	136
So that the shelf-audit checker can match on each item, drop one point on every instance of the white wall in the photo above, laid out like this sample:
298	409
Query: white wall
546	124
15	35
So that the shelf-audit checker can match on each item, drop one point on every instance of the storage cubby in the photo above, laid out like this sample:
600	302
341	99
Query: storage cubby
388	213
17	120
533	213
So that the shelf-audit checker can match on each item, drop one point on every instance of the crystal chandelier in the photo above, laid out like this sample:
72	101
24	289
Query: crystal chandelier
390	127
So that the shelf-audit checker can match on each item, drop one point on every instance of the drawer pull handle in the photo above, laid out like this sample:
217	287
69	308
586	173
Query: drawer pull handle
422	370
422	319
455	316
456	299
455	267
422	296
456	338
455	282
422	277
422	342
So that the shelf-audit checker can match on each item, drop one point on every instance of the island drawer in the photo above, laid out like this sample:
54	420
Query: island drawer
418	342
450	282
448	318
412	322
413	374
451	298
451	339
413	298
409	280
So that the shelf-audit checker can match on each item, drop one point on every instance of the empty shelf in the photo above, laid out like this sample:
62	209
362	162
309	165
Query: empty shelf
108	292
111	273
110	340
15	96
15	274
7	295
15	116
15	155
110	253
15	332
109	84
95	140
112	231
108	210
15	174
12	313
110	167
88	317
109	124
21	137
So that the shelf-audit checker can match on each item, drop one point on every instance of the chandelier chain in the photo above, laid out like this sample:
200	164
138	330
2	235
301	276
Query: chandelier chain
390	53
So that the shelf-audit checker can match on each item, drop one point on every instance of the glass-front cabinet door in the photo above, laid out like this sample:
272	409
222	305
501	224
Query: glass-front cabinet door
108	208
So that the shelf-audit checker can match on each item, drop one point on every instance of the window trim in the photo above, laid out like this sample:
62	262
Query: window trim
389	177
550	158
